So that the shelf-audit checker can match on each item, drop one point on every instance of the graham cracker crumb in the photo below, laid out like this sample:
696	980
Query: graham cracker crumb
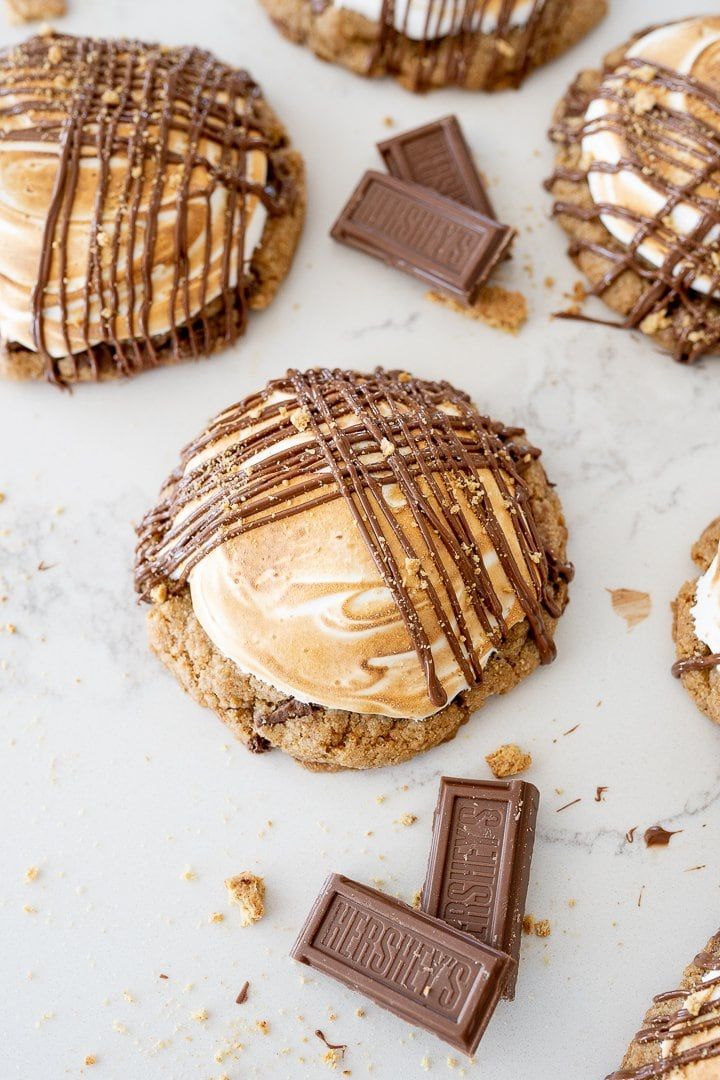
300	419
407	819
188	874
542	928
263	1026
360	1012
247	890
202	1016
31	874
644	101
508	760
387	448
528	924
22	11
110	97
416	899
656	320
332	1058
495	306
632	606
159	593
216	916
90	1059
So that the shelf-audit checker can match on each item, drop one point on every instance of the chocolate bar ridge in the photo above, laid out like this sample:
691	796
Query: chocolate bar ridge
423	971
438	157
479	866
412	228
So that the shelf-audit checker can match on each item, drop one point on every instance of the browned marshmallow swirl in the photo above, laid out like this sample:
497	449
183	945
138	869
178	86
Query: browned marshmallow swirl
134	187
359	542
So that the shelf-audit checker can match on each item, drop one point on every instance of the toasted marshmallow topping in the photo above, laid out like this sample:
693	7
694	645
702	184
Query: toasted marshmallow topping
424	20
134	246
672	154
706	611
360	542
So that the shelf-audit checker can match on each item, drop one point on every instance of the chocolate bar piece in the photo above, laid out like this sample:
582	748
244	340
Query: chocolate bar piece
438	157
423	971
479	868
412	228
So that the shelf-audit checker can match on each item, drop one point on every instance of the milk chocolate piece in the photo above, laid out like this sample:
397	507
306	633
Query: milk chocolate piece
425	972
437	156
479	867
412	228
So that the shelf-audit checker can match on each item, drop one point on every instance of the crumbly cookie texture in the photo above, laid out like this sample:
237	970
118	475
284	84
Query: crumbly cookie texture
214	325
495	306
23	11
247	891
508	760
643	1054
589	236
325	739
493	61
702	685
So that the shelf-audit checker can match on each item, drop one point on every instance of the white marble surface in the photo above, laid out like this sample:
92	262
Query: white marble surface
113	782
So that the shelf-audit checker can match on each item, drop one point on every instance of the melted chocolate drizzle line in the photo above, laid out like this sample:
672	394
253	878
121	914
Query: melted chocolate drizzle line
124	100
469	21
361	433
695	663
659	141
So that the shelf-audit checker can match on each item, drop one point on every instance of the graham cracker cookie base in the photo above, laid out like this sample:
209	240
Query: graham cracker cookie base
629	287
350	39
332	739
703	685
270	265
641	1054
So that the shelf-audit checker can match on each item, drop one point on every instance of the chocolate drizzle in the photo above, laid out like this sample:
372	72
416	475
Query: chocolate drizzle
325	435
695	663
678	153
470	21
158	110
681	1024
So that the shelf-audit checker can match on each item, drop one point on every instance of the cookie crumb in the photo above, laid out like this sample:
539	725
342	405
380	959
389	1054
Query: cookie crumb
632	606
407	819
508	760
495	306
247	890
300	419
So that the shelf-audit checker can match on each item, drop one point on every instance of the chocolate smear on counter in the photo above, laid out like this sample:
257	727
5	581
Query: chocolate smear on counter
695	663
669	1033
243	995
571	730
679	154
657	836
600	793
462	28
630	834
568	805
342	1047
96	102
356	434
